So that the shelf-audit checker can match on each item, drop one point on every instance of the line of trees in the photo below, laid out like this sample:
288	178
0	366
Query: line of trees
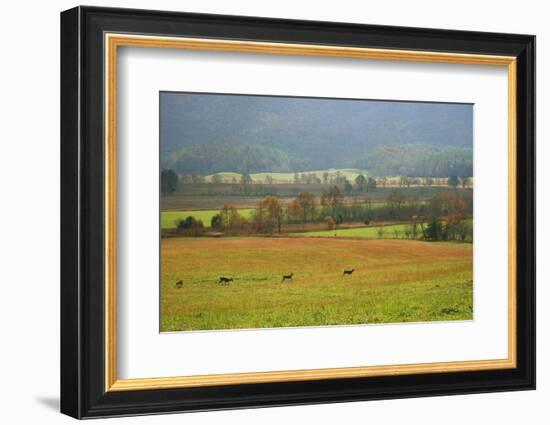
244	184
455	227
330	208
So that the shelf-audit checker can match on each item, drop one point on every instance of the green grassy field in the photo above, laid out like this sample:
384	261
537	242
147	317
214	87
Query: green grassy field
391	231
394	281
168	219
394	231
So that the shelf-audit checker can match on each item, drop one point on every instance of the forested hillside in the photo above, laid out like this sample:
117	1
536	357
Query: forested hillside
415	160
207	134
418	160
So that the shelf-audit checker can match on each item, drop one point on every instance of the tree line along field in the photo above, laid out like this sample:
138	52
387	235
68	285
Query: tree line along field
392	231
443	217
372	232
169	219
203	196
328	174
289	177
393	281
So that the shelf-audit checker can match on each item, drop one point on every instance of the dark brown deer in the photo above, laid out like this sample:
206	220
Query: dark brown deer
287	276
225	280
348	271
179	284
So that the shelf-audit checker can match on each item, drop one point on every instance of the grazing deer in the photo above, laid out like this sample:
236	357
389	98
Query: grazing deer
179	284
287	276
348	271
225	280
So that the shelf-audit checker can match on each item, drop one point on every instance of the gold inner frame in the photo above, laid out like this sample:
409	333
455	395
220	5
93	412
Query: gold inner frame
113	41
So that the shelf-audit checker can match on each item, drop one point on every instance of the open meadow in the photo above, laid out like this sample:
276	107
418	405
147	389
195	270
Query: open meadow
349	173
393	281
377	231
169	219
281	211
373	232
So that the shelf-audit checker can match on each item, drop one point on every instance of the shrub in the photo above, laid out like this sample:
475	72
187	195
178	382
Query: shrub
329	221
216	223
191	226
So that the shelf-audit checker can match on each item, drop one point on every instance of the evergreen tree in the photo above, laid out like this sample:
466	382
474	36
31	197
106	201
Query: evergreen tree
168	181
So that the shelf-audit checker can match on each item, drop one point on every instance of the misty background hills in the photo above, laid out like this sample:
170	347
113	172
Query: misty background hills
209	133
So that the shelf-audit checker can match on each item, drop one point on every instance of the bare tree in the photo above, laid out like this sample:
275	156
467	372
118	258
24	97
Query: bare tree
396	199
273	213
371	184
361	182
231	220
307	203
332	198
246	181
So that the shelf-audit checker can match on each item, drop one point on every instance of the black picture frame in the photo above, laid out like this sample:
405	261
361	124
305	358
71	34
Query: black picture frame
82	212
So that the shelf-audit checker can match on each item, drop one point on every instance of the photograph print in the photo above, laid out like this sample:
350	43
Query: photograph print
280	211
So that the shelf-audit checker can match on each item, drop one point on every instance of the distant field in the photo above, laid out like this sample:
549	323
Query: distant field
391	231
349	173
179	201
394	281
168	218
206	196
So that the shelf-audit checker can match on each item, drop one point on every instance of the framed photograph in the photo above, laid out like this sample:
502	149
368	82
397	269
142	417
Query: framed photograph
261	212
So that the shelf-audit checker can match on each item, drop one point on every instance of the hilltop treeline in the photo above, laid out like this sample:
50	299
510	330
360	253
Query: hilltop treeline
388	160
419	160
210	159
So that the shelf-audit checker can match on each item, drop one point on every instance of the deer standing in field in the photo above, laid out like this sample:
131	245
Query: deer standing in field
287	276
348	271
179	284
225	280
